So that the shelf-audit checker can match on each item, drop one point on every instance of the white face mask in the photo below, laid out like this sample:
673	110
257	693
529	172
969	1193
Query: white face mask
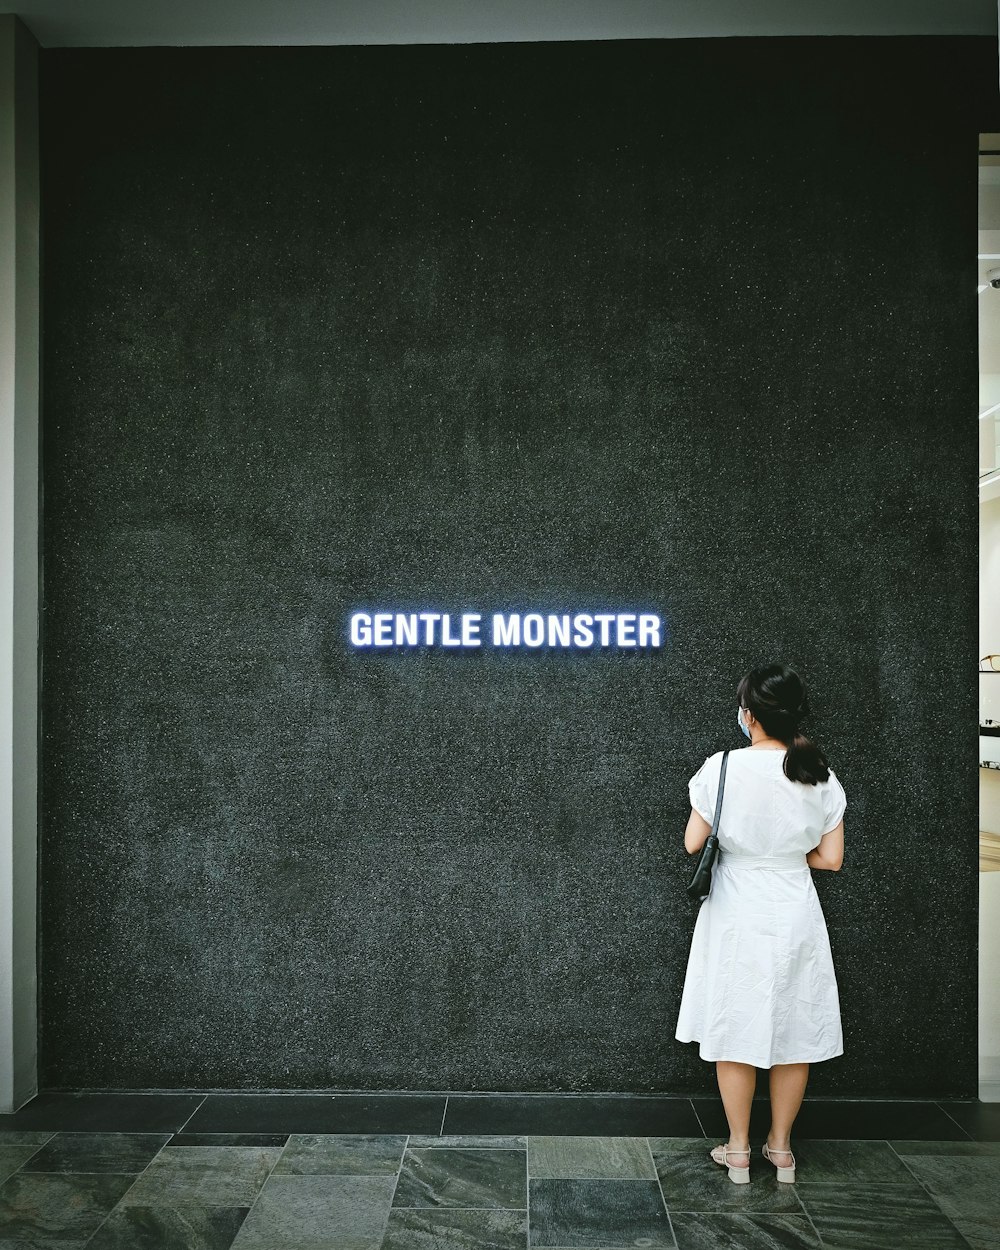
740	721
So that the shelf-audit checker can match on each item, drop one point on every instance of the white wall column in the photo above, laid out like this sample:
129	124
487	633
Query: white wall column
19	560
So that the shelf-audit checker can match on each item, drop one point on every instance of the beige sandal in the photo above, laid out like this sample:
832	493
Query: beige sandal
739	1175
784	1174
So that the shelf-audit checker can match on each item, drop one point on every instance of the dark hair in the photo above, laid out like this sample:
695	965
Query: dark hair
776	695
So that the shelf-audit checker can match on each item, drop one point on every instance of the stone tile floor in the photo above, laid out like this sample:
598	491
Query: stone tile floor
312	1171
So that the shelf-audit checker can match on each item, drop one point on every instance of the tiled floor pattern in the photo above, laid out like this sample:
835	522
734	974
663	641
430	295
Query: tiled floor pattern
369	1172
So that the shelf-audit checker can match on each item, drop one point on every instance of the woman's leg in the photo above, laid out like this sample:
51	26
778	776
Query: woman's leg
737	1082
788	1087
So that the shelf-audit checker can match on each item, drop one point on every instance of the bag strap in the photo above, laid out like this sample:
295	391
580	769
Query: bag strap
718	799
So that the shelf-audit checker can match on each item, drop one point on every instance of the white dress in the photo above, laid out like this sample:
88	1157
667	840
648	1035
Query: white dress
760	986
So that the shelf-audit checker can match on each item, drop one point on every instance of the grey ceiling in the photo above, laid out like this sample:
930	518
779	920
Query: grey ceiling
107	23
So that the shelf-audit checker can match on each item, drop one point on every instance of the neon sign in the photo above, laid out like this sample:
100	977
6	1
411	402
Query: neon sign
535	630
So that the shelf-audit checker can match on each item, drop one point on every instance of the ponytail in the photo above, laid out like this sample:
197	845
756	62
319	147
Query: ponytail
804	761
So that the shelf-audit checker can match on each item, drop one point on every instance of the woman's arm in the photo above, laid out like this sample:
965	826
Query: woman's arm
829	853
696	833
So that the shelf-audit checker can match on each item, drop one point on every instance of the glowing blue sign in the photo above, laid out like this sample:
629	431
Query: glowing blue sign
579	630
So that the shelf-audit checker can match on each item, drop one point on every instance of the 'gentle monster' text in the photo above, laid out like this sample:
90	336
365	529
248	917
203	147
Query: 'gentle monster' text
579	630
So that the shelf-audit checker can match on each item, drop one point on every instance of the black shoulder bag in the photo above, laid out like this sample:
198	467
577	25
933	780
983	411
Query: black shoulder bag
701	882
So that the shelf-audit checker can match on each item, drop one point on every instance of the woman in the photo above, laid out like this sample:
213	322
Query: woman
760	989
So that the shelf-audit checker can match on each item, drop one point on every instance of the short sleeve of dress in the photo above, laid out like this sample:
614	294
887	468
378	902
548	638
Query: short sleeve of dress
702	800
834	803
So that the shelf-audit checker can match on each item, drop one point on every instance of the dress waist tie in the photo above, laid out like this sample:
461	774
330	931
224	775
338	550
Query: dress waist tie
784	863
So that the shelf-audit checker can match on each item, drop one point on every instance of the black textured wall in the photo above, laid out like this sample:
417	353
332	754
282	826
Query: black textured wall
685	325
